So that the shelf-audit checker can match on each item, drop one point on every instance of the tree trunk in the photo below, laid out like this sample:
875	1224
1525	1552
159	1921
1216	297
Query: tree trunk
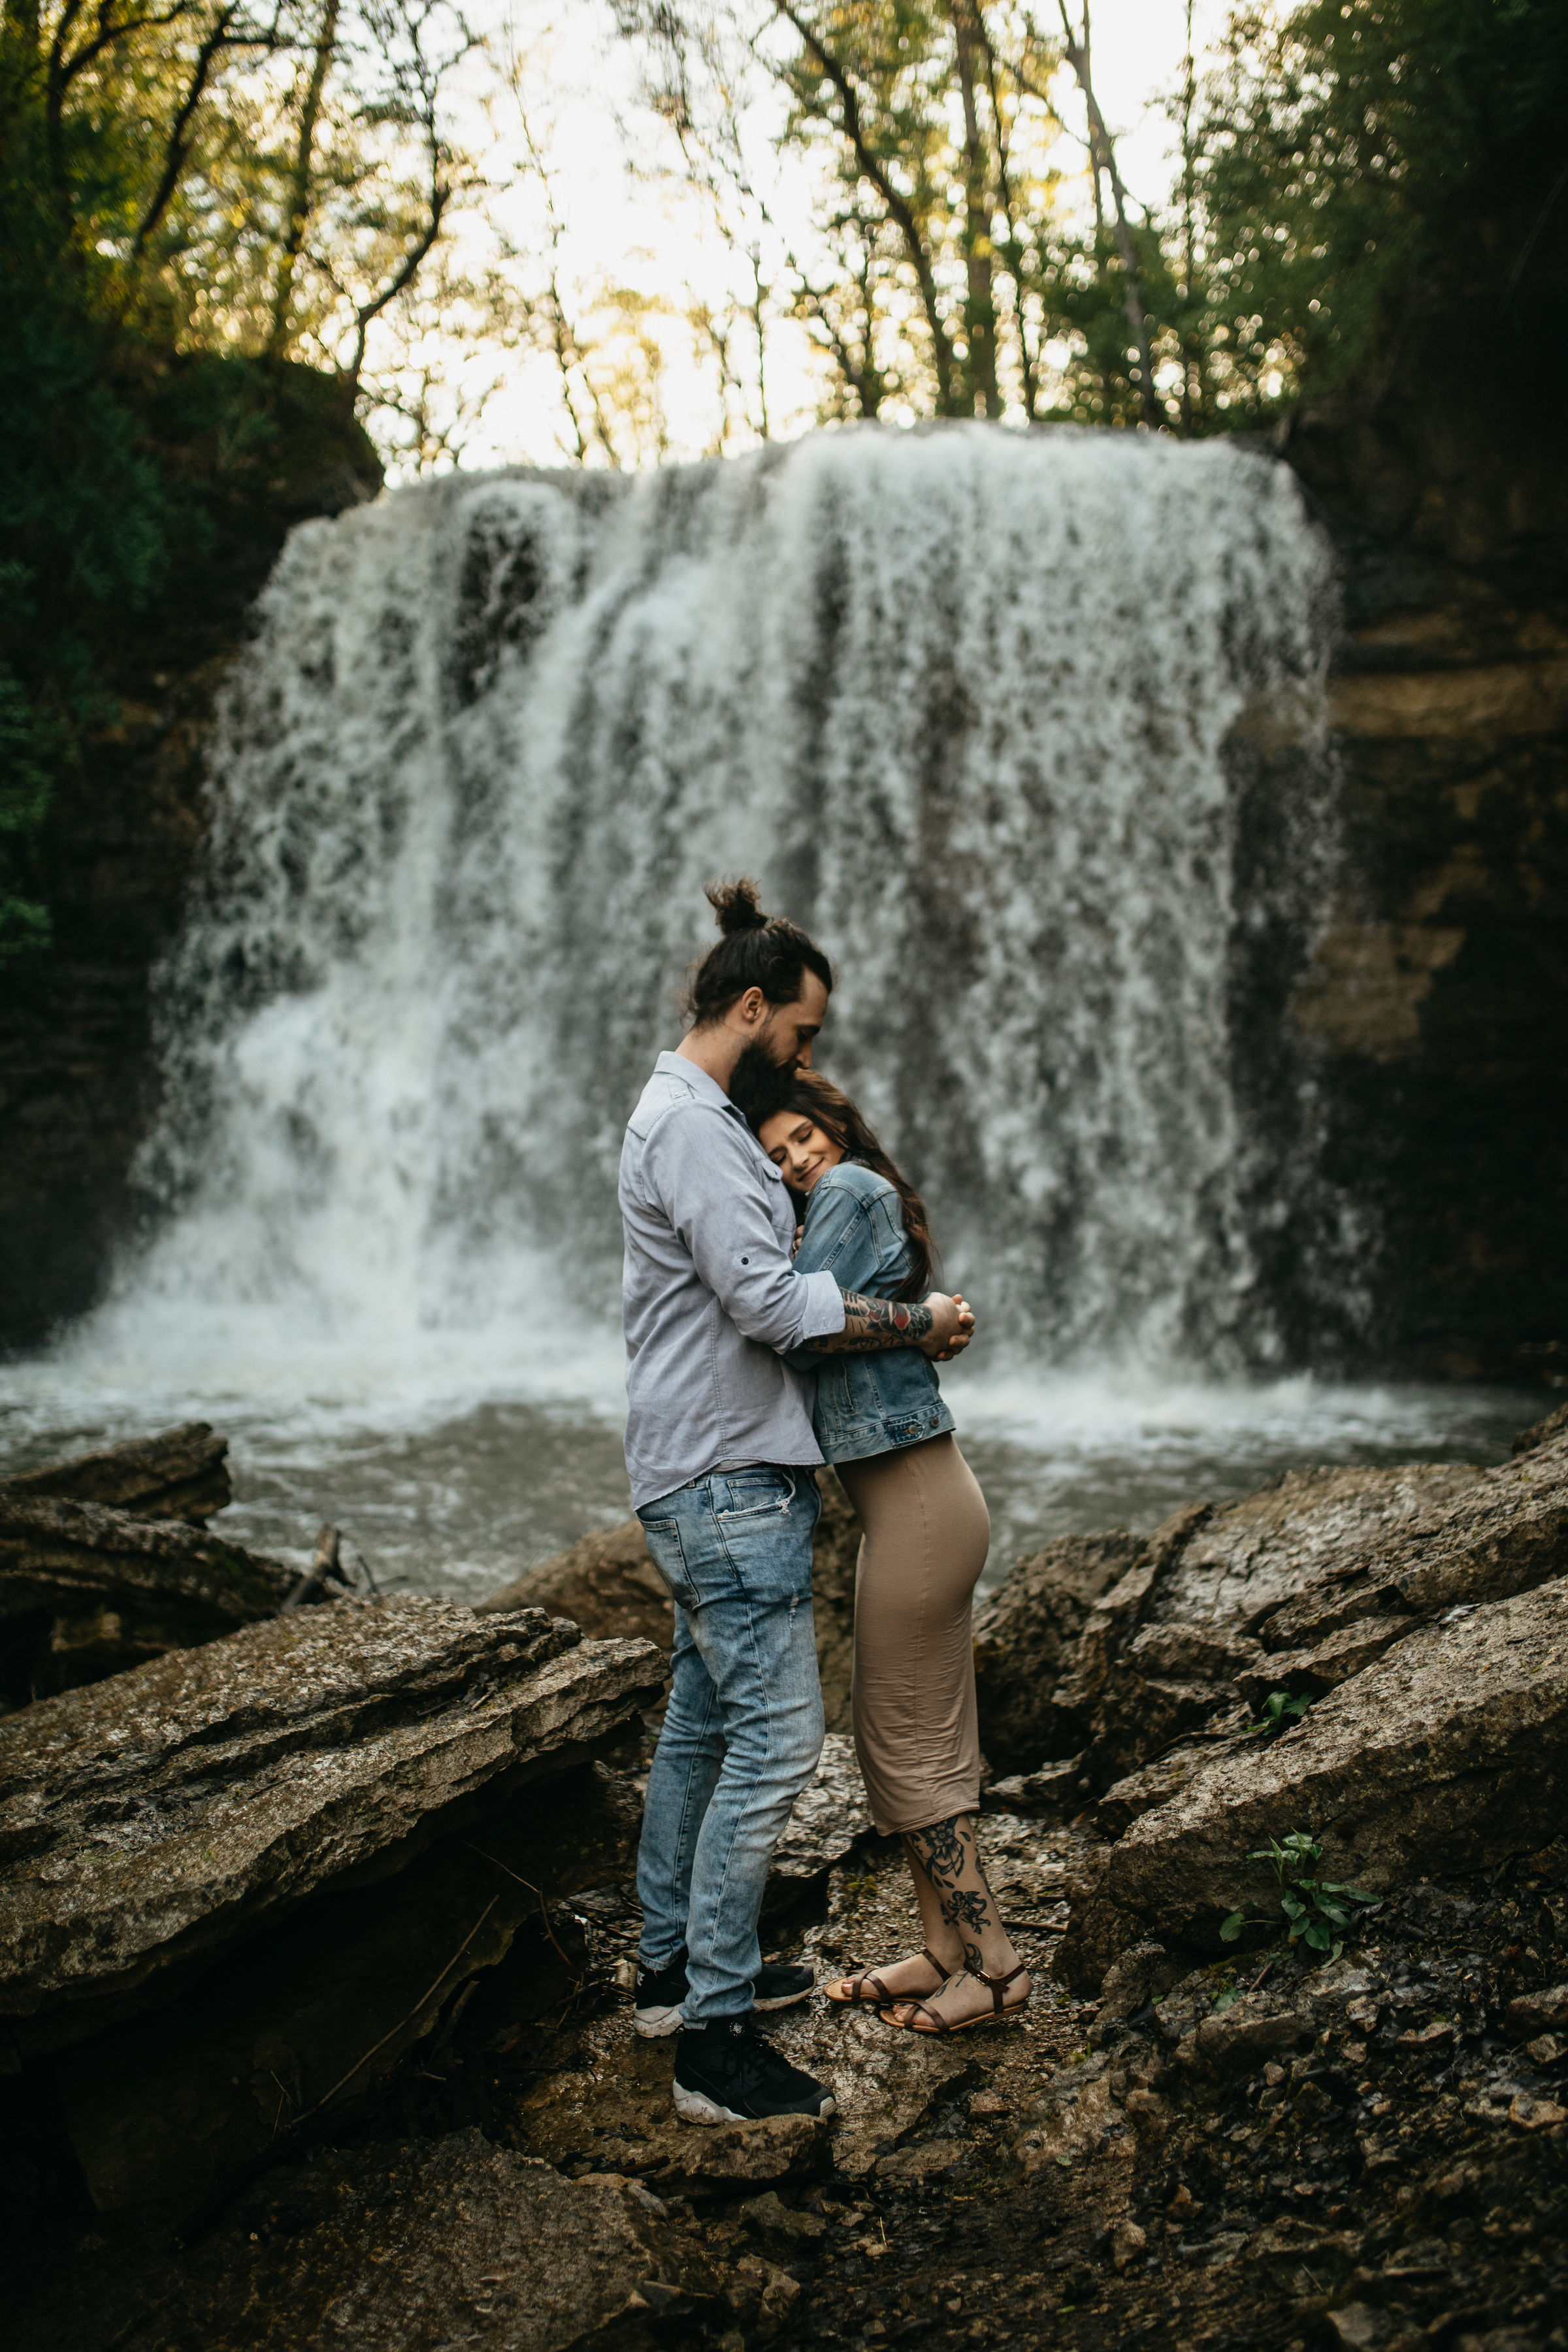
302	190
980	302
1104	152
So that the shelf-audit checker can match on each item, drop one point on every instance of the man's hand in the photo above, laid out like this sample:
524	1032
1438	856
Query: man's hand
952	1328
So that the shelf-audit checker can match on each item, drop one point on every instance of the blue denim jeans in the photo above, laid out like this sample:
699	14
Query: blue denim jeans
743	1730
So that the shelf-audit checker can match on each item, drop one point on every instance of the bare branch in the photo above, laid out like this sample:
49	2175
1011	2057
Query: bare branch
177	147
1104	153
300	189
899	210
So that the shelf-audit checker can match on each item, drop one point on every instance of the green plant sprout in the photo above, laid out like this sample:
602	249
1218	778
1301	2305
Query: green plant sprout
1280	1712
1314	1908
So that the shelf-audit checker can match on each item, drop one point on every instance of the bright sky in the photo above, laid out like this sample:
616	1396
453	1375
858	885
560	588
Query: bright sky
623	218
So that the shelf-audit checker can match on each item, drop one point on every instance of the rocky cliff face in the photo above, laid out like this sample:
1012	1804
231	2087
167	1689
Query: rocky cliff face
1439	994
78	1075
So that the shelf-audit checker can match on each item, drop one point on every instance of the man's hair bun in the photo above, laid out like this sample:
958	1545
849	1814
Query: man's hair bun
757	951
736	906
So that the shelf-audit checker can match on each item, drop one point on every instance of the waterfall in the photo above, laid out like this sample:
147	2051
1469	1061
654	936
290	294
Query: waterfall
1025	729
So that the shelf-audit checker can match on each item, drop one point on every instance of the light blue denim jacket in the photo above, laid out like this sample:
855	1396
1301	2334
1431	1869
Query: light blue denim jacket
875	1403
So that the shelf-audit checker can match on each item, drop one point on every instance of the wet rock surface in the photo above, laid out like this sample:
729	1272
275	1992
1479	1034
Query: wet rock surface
830	1819
154	1817
180	1473
1254	2153
104	1563
307	2020
1179	2141
1117	1646
1453	1746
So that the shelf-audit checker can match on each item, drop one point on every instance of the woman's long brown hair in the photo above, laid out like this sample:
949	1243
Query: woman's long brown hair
811	1096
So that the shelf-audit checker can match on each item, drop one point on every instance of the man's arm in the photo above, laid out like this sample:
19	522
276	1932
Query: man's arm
700	1166
938	1326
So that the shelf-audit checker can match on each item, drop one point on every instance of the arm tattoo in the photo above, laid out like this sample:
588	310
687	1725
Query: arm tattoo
870	1324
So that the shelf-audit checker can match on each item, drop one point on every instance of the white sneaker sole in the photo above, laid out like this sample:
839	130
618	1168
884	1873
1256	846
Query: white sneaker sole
653	2024
697	2107
788	2000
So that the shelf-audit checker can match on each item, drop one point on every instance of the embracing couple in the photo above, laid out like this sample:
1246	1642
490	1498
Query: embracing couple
752	1361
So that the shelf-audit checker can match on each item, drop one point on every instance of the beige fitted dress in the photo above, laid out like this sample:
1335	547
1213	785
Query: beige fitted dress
926	1533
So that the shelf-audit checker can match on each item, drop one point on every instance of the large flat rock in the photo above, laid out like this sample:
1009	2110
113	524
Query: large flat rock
415	2249
1246	1559
1449	1752
87	1589
1299	1587
180	1473
149	1819
306	2018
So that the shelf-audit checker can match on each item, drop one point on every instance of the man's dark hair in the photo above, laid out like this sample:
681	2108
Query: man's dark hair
757	951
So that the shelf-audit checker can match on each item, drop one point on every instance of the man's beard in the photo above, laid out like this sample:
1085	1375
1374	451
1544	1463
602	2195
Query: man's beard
759	1085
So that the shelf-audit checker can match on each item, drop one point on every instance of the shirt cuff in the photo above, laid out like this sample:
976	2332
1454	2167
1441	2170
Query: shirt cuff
824	1307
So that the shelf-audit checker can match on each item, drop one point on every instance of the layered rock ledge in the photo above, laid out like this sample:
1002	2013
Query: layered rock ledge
1405	1630
105	1563
155	1817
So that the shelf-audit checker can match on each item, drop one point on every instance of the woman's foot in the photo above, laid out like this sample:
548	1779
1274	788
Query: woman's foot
966	2000
876	1987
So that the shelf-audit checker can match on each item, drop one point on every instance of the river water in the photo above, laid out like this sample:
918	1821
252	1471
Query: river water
1029	731
453	1469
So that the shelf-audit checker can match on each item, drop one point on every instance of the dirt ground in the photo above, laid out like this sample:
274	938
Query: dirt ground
1373	2154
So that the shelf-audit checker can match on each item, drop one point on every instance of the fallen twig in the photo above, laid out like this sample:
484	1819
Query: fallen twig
327	1562
401	2022
533	1890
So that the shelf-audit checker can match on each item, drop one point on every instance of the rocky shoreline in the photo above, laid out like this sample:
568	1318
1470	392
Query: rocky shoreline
315	1943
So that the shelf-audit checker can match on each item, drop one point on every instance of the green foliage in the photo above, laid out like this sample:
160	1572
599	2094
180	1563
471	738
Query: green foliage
145	168
1359	152
1314	1909
1280	1712
83	539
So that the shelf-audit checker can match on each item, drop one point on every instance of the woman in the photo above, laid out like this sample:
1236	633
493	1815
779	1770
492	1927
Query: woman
881	1422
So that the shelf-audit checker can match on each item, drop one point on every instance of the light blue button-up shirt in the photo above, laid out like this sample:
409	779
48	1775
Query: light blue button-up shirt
710	1300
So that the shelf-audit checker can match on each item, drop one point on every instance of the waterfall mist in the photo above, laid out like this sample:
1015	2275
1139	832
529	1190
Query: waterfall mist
1027	730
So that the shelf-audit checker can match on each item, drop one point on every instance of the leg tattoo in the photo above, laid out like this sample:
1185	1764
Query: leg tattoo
946	1854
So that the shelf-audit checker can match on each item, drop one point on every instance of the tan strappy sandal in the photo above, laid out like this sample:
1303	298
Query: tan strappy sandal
994	2016
870	1992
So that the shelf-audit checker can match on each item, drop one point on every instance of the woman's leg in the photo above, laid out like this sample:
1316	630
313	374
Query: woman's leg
926	1532
954	1896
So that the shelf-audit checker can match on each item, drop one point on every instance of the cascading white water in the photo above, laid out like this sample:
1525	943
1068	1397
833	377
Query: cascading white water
974	704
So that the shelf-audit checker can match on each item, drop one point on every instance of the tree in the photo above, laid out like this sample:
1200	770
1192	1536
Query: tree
178	216
920	279
1361	158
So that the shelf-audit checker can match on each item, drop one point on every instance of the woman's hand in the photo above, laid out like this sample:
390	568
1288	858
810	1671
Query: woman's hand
952	1328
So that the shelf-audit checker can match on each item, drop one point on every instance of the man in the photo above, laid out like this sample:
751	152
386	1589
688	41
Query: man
722	1456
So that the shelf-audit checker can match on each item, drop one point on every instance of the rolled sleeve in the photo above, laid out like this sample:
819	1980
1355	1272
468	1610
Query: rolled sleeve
825	1311
701	1165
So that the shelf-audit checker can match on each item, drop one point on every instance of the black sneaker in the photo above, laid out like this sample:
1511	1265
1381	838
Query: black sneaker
780	1985
660	1993
727	2072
